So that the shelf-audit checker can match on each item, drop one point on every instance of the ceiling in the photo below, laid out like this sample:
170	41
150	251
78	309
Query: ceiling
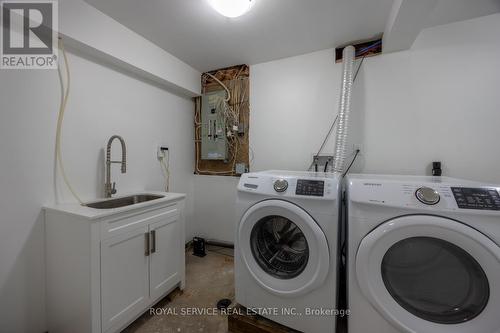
447	11
195	33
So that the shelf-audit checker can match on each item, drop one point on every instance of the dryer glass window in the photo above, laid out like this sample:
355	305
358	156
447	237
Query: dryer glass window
435	280
279	247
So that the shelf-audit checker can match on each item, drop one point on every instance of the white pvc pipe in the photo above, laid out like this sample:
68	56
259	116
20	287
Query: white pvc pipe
344	109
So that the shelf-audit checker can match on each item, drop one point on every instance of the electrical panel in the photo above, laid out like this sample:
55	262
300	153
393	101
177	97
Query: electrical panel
213	126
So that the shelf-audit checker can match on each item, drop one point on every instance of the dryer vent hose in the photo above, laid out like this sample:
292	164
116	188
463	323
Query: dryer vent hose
344	109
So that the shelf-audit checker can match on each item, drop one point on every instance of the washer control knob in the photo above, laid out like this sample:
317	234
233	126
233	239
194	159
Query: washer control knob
427	195
280	185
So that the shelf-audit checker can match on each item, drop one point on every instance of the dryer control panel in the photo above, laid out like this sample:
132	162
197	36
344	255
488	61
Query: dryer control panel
476	198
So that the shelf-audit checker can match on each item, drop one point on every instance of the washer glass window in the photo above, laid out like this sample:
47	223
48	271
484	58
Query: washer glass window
279	247
435	280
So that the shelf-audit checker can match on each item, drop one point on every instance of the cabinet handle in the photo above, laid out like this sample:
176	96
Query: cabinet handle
146	238
153	237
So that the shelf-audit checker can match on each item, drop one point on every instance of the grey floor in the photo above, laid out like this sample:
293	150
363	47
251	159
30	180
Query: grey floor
208	280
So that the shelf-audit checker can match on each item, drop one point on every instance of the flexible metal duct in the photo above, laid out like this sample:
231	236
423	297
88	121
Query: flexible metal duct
344	109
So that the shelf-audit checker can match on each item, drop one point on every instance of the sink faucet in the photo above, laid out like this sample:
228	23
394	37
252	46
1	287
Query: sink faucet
108	188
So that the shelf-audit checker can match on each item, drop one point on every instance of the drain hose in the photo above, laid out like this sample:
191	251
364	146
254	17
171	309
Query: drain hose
60	118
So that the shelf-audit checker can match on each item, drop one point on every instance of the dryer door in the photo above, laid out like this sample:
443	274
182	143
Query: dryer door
283	248
431	274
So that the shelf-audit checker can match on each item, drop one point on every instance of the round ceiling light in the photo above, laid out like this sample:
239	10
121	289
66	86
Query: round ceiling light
232	8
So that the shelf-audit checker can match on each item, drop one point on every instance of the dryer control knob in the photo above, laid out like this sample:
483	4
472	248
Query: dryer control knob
280	185
427	195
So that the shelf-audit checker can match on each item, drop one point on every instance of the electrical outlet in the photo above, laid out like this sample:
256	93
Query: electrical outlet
323	162
161	152
358	146
240	168
322	159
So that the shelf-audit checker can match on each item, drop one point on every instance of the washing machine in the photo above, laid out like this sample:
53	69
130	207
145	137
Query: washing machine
423	255
286	248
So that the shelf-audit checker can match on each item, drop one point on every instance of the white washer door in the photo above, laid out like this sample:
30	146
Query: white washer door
283	248
430	274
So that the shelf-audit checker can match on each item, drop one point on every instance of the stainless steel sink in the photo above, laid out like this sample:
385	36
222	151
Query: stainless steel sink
122	202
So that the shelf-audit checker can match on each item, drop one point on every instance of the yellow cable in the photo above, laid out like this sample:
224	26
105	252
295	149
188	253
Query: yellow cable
60	118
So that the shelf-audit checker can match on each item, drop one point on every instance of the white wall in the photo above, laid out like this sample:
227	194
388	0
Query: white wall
214	199
436	101
293	103
102	102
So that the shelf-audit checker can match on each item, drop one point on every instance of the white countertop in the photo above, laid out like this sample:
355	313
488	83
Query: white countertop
94	213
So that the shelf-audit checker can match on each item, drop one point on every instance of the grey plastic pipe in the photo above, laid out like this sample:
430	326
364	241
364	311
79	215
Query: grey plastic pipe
344	109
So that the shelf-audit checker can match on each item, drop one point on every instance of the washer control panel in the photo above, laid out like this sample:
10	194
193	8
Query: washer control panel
476	198
291	184
310	187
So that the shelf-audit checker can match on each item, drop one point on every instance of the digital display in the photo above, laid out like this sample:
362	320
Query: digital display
476	198
310	187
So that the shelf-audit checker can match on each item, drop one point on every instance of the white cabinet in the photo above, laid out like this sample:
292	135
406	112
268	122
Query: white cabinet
103	272
165	256
124	277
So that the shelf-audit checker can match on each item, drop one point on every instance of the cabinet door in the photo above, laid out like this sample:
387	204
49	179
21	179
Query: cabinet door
166	255
124	277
